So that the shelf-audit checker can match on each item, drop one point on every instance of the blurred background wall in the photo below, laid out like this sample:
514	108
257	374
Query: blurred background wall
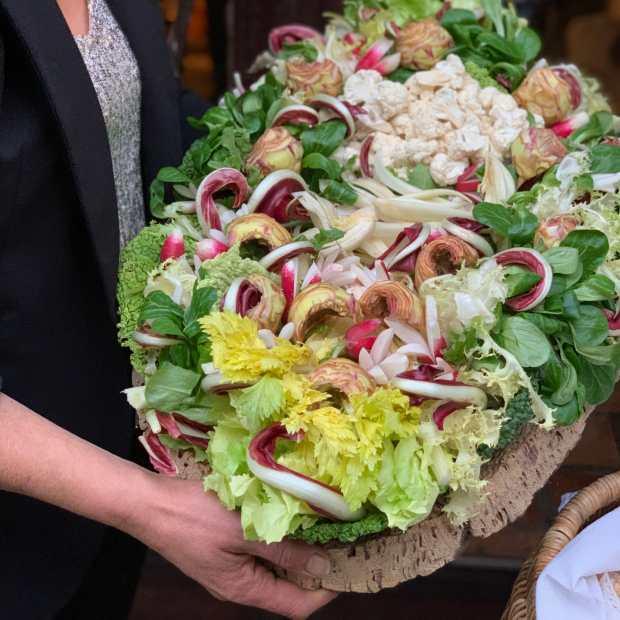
218	37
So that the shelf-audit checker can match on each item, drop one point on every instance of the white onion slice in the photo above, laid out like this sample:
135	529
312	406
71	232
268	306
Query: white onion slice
390	180
337	107
287	332
268	183
283	251
230	299
149	340
457	393
414	209
537	263
212	380
315	494
409	247
374	187
382	345
475	240
433	331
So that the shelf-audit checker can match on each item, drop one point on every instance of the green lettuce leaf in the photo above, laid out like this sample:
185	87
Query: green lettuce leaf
259	403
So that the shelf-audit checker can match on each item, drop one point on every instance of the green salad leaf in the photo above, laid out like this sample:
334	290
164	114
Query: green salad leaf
525	341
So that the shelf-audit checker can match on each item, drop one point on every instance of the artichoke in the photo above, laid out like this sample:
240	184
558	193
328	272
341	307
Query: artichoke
391	300
313	304
423	44
443	256
314	78
535	151
545	93
269	310
258	227
344	376
554	230
275	150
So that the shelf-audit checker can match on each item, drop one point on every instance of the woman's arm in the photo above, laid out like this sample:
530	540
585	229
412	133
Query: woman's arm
174	517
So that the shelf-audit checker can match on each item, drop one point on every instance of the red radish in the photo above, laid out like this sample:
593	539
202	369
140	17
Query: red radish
535	262
274	196
275	259
406	243
336	107
468	182
389	64
376	58
365	156
224	178
613	320
362	336
565	128
159	456
576	94
207	249
289	281
443	411
173	247
290	33
296	115
319	496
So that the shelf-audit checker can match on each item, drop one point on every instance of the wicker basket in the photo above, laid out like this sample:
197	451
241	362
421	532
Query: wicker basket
587	506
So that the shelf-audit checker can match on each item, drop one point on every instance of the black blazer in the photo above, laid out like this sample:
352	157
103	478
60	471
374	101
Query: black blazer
58	264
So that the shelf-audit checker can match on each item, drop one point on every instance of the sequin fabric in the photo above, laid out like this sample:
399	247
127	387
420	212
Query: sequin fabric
115	76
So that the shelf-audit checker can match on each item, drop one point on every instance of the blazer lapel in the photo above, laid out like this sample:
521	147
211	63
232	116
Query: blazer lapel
58	62
142	23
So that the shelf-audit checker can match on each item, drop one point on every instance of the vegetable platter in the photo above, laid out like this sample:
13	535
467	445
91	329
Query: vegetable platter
379	298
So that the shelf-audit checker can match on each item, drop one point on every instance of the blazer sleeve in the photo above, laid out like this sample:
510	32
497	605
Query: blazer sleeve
190	104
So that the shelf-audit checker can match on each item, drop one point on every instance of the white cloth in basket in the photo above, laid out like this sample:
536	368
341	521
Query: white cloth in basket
574	585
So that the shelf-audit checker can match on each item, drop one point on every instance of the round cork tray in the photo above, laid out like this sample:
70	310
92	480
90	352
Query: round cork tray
393	557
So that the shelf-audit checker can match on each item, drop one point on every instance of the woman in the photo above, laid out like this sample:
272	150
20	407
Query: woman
90	111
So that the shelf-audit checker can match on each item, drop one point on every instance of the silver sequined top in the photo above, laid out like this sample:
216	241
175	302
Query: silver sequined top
116	77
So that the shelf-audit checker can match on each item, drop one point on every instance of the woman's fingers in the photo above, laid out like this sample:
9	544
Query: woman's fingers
293	556
263	589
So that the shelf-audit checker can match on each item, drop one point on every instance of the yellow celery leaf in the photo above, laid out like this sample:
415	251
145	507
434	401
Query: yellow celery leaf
345	449
240	355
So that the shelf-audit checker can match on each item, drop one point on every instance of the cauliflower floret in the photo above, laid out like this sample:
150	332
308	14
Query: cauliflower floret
422	151
347	151
446	171
361	87
487	96
467	142
445	107
392	97
390	149
404	125
441	118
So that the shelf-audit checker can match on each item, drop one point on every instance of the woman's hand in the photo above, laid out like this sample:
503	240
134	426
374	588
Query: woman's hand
174	517
203	539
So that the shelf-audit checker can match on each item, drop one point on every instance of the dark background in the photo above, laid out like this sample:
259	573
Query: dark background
225	36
